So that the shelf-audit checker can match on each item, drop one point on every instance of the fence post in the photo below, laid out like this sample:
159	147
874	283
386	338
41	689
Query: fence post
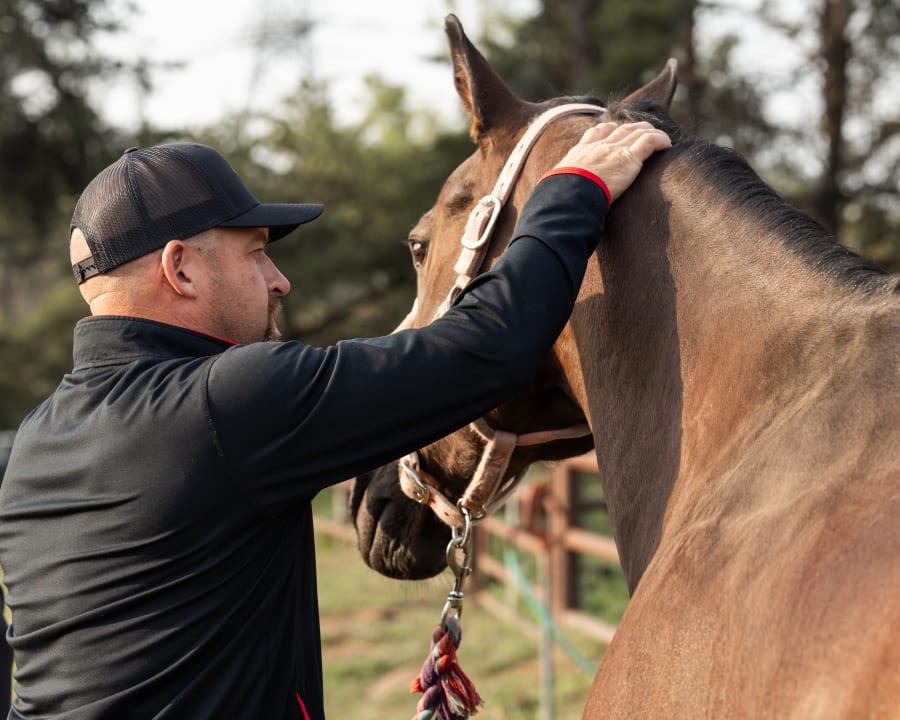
560	513
548	680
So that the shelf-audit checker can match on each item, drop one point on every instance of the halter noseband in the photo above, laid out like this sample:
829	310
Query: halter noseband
486	490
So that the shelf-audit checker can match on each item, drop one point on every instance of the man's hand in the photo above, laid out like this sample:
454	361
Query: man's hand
616	153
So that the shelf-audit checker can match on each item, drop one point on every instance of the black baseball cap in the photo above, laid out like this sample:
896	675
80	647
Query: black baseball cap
169	192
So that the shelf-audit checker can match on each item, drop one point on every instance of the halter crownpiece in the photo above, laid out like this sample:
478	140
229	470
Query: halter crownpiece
483	217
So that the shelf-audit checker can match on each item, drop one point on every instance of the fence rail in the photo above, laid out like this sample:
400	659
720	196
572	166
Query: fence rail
541	521
546	526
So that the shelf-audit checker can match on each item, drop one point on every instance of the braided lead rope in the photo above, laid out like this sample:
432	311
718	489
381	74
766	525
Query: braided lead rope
447	692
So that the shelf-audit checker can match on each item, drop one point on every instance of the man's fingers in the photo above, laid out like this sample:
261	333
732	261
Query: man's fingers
627	130
598	132
642	145
613	132
616	153
631	133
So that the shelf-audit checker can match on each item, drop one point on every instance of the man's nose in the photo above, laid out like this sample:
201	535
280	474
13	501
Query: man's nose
278	283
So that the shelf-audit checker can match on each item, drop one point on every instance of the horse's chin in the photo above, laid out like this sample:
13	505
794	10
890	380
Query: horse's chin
396	536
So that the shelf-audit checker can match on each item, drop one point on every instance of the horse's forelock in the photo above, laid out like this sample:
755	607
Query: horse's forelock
621	111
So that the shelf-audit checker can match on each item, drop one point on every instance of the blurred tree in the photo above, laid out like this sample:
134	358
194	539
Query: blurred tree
578	47
852	53
585	46
52	141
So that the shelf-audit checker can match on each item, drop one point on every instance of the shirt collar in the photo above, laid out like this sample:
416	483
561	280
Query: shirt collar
114	340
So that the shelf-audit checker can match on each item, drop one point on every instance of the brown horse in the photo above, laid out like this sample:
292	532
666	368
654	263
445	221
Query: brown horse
740	373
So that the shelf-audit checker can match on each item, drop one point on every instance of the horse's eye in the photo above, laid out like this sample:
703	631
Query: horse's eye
418	249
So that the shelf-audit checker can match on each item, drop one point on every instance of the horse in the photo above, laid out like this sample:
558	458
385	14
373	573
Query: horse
739	372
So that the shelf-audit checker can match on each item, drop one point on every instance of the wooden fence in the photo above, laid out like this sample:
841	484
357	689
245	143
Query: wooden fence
544	525
543	522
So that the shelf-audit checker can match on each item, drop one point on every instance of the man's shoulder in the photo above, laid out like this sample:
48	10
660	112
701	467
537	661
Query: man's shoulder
263	370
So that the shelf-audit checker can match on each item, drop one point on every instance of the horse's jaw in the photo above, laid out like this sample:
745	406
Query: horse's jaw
397	537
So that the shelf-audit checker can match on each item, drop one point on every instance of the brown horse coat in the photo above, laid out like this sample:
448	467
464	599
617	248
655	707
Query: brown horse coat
741	375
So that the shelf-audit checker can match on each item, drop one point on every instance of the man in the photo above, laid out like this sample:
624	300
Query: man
155	521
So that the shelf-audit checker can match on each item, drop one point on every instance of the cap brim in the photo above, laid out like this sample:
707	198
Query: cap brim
280	218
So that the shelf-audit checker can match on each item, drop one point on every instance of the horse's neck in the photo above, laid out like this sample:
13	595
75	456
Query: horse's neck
691	330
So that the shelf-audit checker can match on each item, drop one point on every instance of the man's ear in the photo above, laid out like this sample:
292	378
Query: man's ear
177	268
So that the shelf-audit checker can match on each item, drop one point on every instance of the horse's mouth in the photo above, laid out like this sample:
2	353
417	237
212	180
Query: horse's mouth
396	536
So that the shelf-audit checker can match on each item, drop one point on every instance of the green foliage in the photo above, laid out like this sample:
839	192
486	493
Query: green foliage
52	142
853	131
38	349
577	47
51	139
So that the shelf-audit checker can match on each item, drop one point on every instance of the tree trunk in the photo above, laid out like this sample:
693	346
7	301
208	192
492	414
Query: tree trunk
687	69
581	55
836	54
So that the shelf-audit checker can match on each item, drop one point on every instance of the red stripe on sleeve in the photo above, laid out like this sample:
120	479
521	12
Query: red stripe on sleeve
584	173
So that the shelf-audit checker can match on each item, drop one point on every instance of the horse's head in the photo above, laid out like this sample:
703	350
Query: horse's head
403	511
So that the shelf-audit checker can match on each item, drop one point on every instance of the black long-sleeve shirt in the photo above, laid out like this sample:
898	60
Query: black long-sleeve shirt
155	522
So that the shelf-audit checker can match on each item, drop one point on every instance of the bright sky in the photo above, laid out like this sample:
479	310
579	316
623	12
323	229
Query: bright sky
224	70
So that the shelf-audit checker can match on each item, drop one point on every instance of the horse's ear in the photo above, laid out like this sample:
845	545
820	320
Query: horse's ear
487	100
661	89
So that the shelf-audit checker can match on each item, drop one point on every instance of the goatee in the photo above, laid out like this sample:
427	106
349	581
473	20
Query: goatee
275	311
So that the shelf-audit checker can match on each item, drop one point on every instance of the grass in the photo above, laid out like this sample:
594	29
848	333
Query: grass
376	633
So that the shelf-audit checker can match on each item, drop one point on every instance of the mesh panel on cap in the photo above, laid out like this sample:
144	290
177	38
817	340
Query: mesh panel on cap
167	184
169	192
176	200
141	202
108	218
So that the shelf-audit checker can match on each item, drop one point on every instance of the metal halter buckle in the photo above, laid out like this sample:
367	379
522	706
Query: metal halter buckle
460	540
422	492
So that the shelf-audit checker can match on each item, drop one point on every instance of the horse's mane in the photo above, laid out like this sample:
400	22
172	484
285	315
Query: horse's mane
737	183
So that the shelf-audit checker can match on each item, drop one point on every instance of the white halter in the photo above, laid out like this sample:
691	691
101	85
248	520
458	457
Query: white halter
487	490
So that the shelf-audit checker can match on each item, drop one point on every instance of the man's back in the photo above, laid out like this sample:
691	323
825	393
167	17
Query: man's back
129	538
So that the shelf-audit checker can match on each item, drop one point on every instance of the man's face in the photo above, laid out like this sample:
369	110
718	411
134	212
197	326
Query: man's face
247	286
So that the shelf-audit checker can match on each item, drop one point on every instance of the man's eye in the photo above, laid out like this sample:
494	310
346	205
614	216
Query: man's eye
418	249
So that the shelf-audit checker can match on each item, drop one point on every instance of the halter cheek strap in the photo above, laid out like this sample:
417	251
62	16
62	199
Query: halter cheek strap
483	217
487	489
